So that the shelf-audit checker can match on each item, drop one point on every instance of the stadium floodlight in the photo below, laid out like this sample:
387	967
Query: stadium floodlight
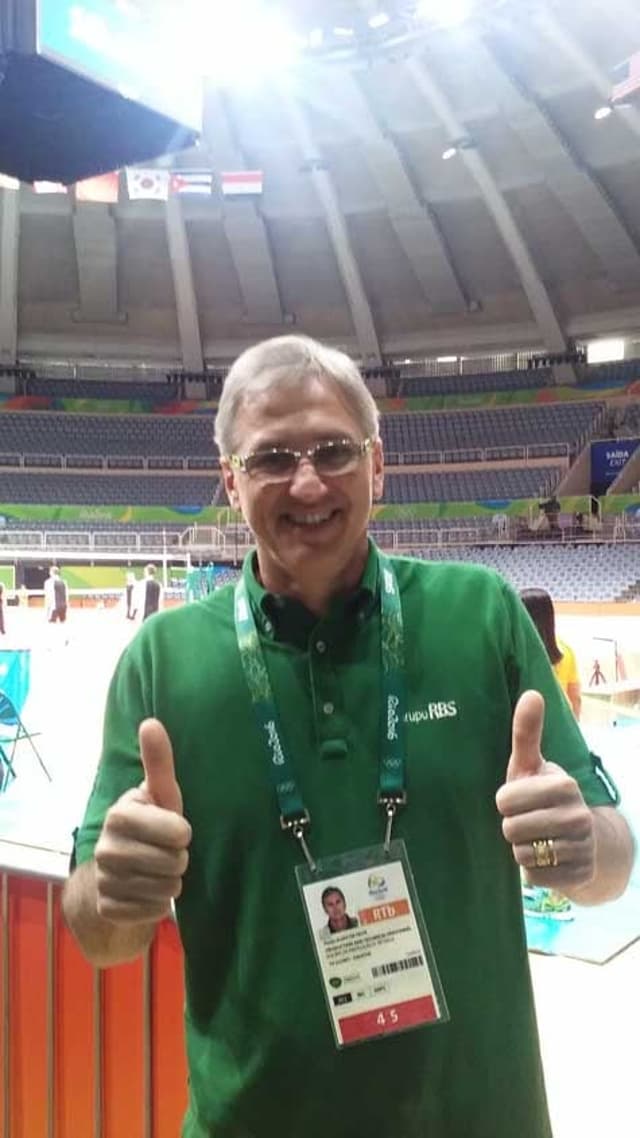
378	20
447	13
603	112
241	44
344	32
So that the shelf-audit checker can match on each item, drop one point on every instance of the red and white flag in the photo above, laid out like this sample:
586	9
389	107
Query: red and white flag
148	185
626	79
241	183
192	182
49	188
103	188
9	183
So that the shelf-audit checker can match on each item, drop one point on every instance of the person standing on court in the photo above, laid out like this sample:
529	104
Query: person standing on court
129	594
539	605
55	597
381	725
151	593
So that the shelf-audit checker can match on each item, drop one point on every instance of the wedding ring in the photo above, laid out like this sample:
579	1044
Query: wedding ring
544	853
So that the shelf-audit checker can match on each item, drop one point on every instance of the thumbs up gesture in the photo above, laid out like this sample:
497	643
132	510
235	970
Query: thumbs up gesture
544	816
141	855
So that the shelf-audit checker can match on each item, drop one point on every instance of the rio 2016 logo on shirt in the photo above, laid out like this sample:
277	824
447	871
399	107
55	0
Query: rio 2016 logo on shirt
443	709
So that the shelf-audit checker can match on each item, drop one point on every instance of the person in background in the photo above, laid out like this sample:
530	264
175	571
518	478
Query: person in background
129	594
539	901
55	597
539	605
151	593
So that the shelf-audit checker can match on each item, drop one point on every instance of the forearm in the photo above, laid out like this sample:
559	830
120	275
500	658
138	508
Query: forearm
614	859
102	942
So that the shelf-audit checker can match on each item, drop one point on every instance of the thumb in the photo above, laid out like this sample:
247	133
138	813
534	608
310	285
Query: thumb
156	753
526	739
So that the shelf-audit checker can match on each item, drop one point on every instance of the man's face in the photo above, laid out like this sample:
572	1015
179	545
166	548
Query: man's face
307	523
334	907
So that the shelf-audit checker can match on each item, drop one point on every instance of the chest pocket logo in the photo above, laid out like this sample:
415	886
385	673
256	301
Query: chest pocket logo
443	709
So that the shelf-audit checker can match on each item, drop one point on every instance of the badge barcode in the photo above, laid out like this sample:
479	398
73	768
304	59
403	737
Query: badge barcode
397	966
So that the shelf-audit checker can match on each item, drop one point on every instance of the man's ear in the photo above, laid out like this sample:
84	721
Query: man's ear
229	479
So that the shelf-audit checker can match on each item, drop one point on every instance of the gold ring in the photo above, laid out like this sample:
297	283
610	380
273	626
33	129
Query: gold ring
544	853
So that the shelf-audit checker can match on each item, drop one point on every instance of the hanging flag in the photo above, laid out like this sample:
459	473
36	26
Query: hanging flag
148	185
9	183
103	188
191	182
626	78
241	182
49	188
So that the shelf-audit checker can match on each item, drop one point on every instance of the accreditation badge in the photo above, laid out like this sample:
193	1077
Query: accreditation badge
376	964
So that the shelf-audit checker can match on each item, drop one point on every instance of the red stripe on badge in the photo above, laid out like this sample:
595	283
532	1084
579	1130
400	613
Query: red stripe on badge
392	1017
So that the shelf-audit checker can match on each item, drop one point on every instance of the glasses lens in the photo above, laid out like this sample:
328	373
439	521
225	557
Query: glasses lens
336	457
271	464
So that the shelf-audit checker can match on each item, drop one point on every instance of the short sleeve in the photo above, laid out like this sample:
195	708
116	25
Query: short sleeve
562	740
120	767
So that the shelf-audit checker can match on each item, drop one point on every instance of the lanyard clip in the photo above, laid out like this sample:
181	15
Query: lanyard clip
391	804
297	826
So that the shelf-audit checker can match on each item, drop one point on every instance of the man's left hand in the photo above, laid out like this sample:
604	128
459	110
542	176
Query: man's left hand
539	802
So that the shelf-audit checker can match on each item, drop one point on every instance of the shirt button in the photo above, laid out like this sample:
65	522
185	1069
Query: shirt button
320	646
327	708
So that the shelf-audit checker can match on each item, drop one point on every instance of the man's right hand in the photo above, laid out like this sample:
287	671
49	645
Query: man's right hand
141	854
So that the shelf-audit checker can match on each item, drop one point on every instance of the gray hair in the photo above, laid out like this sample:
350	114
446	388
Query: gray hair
291	360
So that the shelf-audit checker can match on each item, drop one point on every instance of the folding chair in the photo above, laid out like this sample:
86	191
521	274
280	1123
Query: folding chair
7	773
10	718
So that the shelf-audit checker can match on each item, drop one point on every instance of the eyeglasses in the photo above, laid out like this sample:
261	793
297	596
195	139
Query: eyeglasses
279	464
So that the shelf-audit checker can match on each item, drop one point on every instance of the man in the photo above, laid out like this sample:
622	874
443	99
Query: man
55	597
303	669
151	593
335	906
129	593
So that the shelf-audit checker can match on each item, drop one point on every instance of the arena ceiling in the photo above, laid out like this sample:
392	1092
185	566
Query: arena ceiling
364	235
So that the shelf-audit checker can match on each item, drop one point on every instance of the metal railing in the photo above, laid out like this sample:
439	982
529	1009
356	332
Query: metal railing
164	463
89	542
206	463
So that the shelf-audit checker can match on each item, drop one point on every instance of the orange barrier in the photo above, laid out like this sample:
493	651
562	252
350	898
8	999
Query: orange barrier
83	1053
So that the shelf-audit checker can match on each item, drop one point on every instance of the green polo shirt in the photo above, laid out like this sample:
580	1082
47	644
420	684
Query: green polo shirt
262	1060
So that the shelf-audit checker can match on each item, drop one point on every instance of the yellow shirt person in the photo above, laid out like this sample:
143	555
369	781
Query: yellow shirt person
540	608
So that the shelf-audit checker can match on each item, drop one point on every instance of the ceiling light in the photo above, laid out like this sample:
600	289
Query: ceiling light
450	152
344	33
316	37
242	44
603	112
379	20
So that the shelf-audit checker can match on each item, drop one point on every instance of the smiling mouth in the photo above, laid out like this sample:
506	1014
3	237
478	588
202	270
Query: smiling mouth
311	521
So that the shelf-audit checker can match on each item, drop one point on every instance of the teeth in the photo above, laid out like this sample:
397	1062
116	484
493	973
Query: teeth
311	519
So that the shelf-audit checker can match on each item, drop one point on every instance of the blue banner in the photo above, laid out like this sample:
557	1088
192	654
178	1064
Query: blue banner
128	47
609	457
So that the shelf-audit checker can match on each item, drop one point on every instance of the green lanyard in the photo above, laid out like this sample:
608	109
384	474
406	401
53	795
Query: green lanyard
294	817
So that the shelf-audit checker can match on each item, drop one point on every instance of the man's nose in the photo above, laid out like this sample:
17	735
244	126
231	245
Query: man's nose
306	481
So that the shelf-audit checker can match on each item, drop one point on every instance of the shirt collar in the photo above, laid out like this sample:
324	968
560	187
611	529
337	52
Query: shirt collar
274	613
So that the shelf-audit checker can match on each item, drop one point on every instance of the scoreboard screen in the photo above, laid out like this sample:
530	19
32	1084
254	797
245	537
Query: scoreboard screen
129	46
